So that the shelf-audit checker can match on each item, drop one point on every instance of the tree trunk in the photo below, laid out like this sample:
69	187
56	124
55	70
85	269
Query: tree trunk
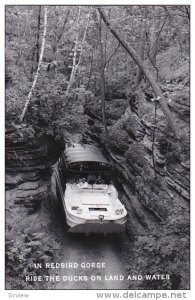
36	48
38	32
149	77
90	72
74	56
59	35
63	27
112	55
102	77
38	68
82	45
141	53
75	66
106	65
154	34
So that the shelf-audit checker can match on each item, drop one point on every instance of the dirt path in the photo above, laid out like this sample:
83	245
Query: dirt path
97	258
97	262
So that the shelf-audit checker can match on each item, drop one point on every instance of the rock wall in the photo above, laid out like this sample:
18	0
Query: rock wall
154	174
28	179
28	166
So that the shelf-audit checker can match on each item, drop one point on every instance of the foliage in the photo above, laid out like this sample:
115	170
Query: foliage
161	251
135	154
118	138
115	108
148	191
172	65
23	250
21	51
57	113
175	151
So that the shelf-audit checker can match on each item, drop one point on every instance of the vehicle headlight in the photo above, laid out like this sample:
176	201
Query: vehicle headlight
119	211
79	211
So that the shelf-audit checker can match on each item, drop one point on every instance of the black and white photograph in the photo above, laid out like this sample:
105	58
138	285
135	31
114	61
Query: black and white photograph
97	147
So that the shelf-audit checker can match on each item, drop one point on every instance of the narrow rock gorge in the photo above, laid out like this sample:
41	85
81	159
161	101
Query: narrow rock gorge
99	75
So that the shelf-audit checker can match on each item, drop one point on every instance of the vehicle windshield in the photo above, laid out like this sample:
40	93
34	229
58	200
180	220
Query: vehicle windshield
89	167
90	175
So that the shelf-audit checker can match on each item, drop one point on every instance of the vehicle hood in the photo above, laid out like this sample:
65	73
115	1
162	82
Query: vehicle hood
87	199
94	197
87	196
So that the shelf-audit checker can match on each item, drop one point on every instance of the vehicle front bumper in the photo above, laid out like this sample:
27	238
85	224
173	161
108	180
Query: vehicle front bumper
81	225
97	228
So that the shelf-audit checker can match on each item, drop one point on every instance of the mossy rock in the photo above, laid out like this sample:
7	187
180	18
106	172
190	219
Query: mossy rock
118	138
135	154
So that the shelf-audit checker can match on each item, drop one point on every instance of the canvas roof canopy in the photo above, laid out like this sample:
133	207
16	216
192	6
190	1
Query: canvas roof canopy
83	153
